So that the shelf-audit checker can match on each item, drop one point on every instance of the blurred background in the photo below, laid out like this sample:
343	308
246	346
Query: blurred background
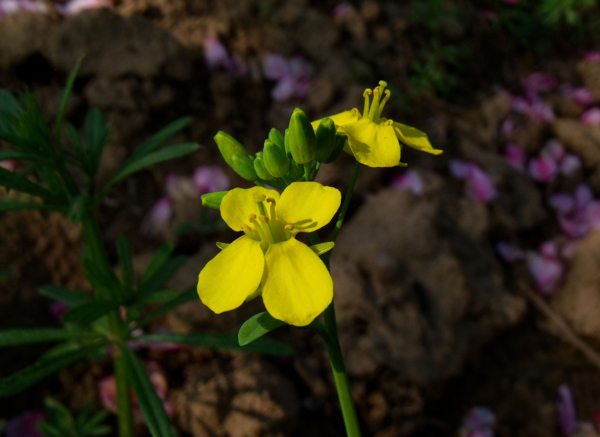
467	285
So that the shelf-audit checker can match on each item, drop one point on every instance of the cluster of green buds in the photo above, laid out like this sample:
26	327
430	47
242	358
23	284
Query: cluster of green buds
285	158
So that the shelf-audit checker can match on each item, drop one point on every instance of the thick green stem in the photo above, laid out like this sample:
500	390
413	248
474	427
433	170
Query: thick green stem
93	240
124	406
330	333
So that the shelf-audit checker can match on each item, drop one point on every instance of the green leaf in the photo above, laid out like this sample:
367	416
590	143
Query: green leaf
23	379
183	298
62	108
220	341
257	326
7	155
77	209
15	337
61	294
322	248
159	259
166	154
162	275
97	132
160	296
24	206
151	406
126	261
161	137
14	181
89	312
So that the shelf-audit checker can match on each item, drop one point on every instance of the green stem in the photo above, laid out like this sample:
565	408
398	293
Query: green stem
316	171
307	172
330	334
124	406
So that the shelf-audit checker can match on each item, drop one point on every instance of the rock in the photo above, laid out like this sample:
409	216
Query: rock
239	397
416	286
484	122
115	46
578	300
21	36
590	75
579	139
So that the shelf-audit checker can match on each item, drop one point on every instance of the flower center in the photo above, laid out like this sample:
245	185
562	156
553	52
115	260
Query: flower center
266	227
373	109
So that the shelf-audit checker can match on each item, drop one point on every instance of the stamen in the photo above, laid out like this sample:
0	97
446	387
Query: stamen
366	95
261	232
375	103
271	200
263	218
272	215
382	84
259	198
247	229
252	217
388	93
289	227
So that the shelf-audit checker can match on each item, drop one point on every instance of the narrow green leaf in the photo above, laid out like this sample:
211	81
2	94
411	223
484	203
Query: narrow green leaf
23	379
160	296
322	248
220	341
61	294
151	406
24	206
89	312
161	137
13	181
257	326
183	298
97	131
62	108
126	262
166	154
162	275
6	155
159	259
15	337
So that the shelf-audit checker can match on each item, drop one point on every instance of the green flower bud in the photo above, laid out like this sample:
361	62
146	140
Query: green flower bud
286	143
340	144
261	171
326	141
276	138
213	200
296	170
275	160
302	139
243	165
229	147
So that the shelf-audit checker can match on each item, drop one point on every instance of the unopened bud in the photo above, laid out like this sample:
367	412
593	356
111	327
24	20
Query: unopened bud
243	166
302	139
261	171
325	140
276	138
213	200
275	160
229	147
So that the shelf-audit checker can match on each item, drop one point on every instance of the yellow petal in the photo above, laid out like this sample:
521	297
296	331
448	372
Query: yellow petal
296	286
231	276
414	138
239	203
339	119
308	206
374	145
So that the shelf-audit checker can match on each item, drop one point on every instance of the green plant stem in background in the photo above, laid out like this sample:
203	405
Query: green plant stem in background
329	332
124	406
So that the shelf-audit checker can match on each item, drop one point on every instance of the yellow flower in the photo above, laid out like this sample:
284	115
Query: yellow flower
295	284
373	139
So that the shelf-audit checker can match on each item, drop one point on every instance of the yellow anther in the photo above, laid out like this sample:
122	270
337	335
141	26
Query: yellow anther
259	198
383	83
263	218
252	217
367	92
289	227
246	228
271	200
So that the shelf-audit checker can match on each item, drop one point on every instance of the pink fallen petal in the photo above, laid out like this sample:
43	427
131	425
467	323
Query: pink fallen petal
541	112
13	6
489	15
58	309
24	425
581	96
543	169
477	418
546	272
108	393
215	53
10	165
565	407
275	67
302	87
285	89
563	203
76	6
592	55
236	66
520	104
160	215
409	180
555	150
572	227
459	168
549	249
538	83
568	250
509	252
592	215
480	186
509	127
515	155
583	196
591	117
569	165
341	11
209	179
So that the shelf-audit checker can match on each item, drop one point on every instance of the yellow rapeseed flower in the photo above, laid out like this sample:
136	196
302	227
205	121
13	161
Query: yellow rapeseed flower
373	139
295	284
